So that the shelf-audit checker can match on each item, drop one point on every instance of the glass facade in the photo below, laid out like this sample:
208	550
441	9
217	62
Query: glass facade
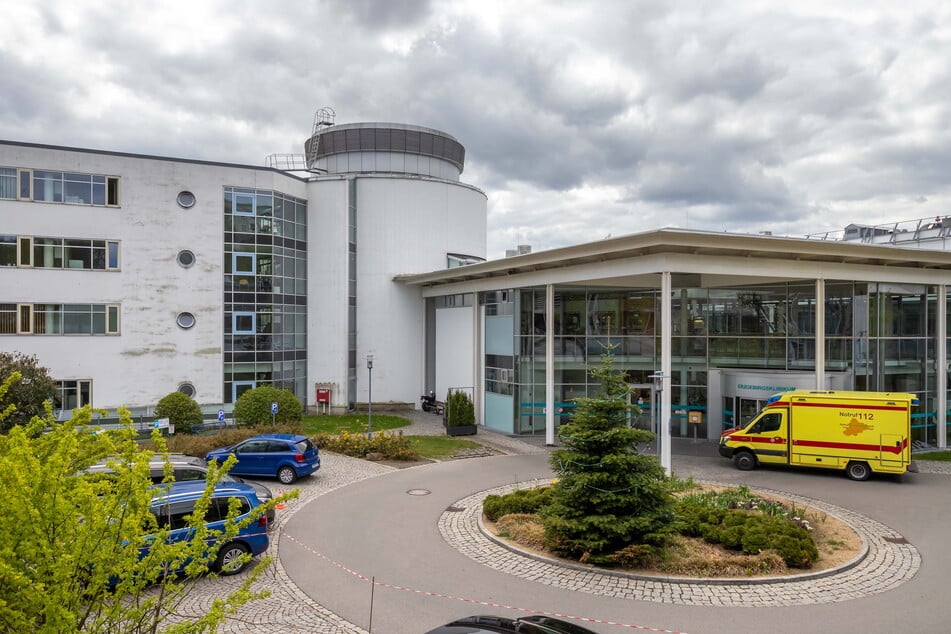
265	300
880	336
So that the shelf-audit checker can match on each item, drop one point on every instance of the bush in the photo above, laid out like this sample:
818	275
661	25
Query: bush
254	406
459	409
750	533
200	445
523	501
181	411
392	446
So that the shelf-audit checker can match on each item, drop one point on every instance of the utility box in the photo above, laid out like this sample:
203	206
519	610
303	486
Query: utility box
323	397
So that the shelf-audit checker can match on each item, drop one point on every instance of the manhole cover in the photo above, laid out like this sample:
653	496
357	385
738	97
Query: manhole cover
455	509
419	492
896	540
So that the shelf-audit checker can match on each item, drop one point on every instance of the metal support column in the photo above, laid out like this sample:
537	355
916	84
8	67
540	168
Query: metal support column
549	364
941	369
666	366
820	334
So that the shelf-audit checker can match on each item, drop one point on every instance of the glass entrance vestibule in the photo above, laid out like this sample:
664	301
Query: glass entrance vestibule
729	347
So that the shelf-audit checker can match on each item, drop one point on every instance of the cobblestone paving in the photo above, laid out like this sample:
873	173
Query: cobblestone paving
288	609
886	565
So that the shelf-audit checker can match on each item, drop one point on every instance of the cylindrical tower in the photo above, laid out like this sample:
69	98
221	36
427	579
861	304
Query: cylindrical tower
384	147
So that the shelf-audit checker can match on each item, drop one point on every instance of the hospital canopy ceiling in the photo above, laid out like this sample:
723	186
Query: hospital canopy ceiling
697	259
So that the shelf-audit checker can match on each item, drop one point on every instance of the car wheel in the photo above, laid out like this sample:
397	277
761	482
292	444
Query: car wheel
858	471
229	558
286	475
744	461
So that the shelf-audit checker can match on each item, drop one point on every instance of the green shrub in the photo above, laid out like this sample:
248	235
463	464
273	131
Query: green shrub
390	445
200	445
181	411
523	501
254	406
459	409
748	532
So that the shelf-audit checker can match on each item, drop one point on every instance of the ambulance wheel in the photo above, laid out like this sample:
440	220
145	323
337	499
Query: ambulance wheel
858	471
744	461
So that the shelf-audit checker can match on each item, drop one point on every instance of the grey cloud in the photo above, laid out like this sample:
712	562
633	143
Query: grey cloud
375	14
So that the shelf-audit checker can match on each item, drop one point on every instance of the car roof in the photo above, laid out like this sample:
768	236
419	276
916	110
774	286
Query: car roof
195	488
290	437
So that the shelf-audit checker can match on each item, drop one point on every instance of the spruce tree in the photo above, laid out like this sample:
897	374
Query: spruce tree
607	496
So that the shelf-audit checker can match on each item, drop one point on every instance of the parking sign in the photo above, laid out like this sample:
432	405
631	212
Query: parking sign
221	416
274	407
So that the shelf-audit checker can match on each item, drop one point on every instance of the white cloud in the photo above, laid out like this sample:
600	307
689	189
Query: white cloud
578	120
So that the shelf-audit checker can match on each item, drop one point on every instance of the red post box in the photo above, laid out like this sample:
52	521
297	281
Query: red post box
323	395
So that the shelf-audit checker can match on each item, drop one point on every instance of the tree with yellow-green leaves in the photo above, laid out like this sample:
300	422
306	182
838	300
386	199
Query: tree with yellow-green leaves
84	553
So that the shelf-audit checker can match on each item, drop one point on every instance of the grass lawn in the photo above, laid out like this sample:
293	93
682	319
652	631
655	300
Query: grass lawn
353	423
944	456
439	447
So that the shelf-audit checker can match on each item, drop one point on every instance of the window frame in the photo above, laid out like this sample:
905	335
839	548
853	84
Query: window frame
112	317
28	173
234	322
26	262
25	313
234	203
118	253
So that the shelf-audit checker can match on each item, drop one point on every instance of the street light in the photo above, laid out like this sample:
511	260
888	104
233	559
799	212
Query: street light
369	395
656	419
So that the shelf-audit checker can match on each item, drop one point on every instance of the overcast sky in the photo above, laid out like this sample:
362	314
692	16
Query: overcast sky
579	119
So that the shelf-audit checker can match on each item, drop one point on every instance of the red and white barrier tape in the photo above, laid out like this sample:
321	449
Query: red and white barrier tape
488	604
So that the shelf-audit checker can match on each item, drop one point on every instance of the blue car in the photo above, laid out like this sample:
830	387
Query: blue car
174	502
282	456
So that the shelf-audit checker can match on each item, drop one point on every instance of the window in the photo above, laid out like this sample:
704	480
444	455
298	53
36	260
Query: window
25	324
60	319
8	319
8	250
186	258
25	251
112	255
72	394
243	323
185	199
26	184
8	183
243	204
188	389
50	186
185	320
71	253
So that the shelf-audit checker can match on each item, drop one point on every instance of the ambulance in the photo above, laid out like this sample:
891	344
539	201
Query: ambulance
858	432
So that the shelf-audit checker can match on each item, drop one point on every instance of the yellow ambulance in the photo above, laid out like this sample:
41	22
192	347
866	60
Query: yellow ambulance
859	432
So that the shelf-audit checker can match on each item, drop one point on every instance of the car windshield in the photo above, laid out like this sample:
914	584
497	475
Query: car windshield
304	446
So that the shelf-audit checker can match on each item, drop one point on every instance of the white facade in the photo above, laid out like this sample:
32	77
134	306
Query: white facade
405	224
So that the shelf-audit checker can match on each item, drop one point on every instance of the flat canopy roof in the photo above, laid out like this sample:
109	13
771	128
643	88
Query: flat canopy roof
701	245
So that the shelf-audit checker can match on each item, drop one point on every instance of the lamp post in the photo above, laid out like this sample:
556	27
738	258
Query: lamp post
369	395
656	418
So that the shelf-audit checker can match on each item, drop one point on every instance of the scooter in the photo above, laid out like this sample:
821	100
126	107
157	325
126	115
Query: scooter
430	404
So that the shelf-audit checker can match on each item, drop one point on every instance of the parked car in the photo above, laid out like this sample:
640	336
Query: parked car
172	504
534	624
188	469
282	456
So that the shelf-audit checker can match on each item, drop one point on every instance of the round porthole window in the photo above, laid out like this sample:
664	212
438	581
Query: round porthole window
185	320
186	199
187	389
186	258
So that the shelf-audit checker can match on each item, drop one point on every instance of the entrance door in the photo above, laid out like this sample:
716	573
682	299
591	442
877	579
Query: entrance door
640	395
746	409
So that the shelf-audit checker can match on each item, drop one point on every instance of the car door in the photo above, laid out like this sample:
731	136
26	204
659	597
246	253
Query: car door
769	436
278	452
252	456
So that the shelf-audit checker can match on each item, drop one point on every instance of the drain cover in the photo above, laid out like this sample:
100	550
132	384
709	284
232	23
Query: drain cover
896	540
419	492
455	509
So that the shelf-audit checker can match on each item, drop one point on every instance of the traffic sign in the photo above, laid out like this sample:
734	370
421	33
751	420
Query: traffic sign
221	416
274	407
